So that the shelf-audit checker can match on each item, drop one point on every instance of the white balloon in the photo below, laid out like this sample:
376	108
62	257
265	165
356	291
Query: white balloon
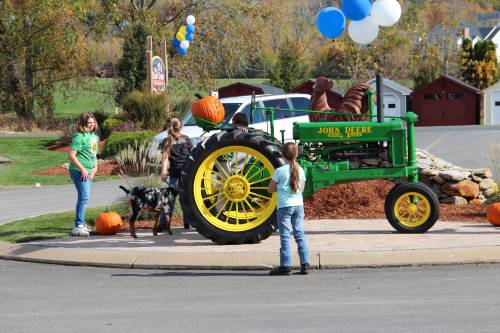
190	19
386	12
184	44
364	31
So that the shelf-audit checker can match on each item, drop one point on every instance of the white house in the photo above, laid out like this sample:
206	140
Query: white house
492	104
394	97
483	34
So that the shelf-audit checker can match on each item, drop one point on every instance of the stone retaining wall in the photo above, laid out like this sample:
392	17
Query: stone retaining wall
453	184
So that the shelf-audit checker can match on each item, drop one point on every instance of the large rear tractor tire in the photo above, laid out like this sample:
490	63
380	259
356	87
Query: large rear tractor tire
411	207
224	185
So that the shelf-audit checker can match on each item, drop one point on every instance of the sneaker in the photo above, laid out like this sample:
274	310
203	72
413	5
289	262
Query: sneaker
87	227
280	271
305	269
80	231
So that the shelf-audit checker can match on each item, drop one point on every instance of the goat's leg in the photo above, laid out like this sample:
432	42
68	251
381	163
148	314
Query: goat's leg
131	222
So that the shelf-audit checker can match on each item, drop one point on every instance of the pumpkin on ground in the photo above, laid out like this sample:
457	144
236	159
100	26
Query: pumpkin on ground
209	108
493	213
108	223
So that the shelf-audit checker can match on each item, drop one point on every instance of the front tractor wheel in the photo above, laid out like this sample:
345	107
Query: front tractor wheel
411	207
225	182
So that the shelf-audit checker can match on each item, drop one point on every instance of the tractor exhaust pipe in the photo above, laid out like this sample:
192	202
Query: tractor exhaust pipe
380	103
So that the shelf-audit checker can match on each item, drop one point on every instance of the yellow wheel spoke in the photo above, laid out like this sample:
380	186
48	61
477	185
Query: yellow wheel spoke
245	212
230	210
245	161
217	202
237	212
259	187
213	180
259	195
211	196
221	210
250	168
255	173
260	180
249	205
221	168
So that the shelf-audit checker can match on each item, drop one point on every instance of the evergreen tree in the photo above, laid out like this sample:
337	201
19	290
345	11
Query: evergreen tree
132	66
479	63
288	72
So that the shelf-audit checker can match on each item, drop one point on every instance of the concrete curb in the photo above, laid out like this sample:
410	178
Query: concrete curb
332	244
245	261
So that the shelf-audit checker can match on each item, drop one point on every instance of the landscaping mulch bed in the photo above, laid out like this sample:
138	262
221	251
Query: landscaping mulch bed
365	200
106	168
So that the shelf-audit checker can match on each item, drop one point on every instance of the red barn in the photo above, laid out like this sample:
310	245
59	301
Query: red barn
447	101
334	95
243	89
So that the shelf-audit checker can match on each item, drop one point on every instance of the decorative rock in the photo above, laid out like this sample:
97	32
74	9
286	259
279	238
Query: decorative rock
455	175
477	201
438	179
465	188
429	172
484	173
489	192
486	183
475	178
455	200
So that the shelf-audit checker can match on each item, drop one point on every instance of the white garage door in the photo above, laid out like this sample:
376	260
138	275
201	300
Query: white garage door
495	108
392	106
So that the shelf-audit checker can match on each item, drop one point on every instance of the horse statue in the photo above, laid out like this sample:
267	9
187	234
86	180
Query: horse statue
355	101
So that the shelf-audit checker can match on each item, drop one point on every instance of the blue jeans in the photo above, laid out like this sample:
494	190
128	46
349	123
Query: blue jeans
83	189
292	218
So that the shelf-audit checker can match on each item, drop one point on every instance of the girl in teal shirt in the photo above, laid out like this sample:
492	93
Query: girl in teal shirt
289	180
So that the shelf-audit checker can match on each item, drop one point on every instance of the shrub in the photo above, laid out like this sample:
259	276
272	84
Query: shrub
146	109
108	125
118	141
100	117
133	160
181	106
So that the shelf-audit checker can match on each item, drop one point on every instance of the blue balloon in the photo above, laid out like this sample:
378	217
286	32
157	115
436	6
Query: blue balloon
190	28
176	43
181	51
330	22
189	37
356	10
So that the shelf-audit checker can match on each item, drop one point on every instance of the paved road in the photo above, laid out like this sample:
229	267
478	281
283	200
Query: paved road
84	299
464	146
34	201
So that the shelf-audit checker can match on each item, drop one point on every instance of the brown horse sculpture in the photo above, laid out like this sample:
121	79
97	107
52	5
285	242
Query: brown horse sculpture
355	101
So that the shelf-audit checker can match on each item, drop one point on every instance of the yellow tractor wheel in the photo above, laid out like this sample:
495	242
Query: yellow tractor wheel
224	183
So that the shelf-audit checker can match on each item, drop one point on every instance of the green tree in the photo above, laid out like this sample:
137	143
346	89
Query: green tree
42	42
428	65
132	65
288	71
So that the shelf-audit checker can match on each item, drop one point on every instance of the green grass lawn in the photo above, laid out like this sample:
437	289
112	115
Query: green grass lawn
30	154
94	94
56	225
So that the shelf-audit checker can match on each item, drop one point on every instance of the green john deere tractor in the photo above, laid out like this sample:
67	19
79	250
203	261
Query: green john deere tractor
224	181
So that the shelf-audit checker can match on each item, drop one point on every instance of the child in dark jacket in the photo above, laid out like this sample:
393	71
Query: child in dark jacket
176	148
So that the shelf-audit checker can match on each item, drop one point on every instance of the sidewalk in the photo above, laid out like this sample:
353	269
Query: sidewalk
332	244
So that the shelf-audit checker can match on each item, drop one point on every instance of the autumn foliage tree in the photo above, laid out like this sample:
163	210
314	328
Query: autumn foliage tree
42	44
479	63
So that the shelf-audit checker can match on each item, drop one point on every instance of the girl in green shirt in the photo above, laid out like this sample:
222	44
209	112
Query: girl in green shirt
83	166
